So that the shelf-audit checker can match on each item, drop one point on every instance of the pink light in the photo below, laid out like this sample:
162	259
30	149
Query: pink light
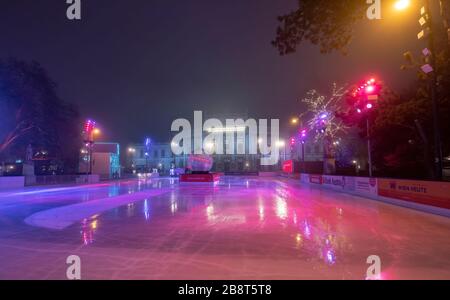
359	111
369	106
370	89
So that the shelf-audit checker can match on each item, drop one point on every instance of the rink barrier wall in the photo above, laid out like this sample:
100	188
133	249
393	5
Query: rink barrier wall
12	182
429	196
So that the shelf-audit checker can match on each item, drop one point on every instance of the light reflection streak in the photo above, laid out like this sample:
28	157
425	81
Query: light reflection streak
281	208
146	210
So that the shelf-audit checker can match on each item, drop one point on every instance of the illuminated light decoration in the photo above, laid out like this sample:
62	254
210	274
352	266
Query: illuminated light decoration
323	116
370	89
369	106
148	142
292	141
89	126
304	133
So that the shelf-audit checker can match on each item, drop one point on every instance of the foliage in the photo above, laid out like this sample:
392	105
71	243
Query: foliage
32	113
328	24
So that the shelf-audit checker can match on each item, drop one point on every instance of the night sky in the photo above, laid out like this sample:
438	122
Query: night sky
136	65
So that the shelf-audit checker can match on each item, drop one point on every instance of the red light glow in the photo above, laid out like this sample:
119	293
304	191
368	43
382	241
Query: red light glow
370	89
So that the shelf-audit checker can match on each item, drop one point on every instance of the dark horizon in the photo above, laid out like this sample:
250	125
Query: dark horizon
135	68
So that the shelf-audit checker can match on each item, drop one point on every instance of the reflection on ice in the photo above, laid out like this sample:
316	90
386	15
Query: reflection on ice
243	227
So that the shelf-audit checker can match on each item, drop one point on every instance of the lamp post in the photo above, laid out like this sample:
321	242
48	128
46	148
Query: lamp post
89	134
426	21
367	94
433	91
303	135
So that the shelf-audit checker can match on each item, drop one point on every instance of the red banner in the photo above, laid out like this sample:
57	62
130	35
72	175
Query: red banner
423	192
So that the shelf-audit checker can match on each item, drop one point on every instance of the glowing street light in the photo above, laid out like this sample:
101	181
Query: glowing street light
280	144
294	121
402	4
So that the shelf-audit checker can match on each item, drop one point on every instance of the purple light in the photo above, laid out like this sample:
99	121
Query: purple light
303	133
324	116
148	141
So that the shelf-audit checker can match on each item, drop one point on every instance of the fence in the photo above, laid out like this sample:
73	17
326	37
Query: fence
61	179
430	196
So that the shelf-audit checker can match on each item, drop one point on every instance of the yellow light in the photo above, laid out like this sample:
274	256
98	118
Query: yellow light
96	131
294	121
94	225
280	144
402	4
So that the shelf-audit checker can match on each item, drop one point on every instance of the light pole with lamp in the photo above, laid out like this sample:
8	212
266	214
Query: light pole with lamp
426	21
367	96
89	134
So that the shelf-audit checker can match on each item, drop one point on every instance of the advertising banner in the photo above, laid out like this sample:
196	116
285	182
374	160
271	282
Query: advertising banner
304	178
350	184
315	179
334	182
366	186
288	167
423	192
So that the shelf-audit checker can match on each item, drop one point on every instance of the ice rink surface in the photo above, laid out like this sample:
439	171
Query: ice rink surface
243	228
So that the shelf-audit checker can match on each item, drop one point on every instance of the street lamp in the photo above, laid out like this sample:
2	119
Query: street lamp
303	136
426	21
89	133
402	4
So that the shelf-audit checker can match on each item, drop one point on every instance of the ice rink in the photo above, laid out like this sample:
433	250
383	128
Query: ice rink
243	228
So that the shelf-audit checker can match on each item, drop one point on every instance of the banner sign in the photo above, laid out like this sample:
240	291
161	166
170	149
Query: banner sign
350	184
316	179
423	192
334	182
304	178
288	166
367	186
